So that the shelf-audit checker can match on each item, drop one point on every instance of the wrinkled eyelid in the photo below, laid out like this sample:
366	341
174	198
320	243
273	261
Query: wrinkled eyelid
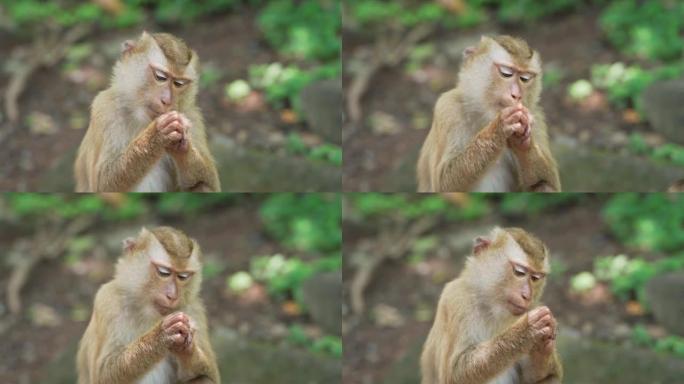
505	70
163	270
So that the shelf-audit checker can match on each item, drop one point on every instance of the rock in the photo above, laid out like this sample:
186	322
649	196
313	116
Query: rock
241	361
584	361
60	178
240	169
322	296
663	106
322	107
586	170
664	294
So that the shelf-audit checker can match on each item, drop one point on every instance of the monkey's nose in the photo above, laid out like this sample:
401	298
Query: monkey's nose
516	96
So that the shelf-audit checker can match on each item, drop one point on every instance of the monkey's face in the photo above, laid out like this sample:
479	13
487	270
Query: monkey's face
156	74
164	91
169	286
510	85
524	287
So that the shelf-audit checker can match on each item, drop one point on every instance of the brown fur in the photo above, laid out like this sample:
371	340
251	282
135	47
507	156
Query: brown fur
105	164
126	339
471	305
468	138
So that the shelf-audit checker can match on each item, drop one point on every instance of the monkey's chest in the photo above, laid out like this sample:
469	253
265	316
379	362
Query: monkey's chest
158	178
162	373
509	376
500	176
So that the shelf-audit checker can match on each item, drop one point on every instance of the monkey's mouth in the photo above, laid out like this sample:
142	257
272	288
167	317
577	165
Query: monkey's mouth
516	309
153	113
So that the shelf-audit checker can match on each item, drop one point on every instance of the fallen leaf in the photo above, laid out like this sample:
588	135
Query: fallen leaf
630	116
634	308
291	308
288	116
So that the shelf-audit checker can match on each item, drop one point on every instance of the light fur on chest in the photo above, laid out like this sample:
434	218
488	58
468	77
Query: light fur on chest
159	177
500	177
162	373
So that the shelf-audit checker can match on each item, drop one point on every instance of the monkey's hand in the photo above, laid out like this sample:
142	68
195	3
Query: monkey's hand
522	138
541	326
545	346
177	332
512	123
173	128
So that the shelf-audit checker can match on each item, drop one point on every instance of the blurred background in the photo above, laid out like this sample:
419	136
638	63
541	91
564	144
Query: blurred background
272	278
615	287
613	84
269	85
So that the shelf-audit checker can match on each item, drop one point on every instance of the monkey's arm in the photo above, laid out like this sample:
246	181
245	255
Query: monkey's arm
542	368
128	363
199	364
482	362
196	168
537	169
460	168
122	173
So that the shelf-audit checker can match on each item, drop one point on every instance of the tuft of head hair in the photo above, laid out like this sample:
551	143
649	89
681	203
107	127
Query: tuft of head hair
533	247
174	48
175	242
515	46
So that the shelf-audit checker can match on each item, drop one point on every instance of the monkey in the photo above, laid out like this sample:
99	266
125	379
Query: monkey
487	328
488	133
148	324
146	133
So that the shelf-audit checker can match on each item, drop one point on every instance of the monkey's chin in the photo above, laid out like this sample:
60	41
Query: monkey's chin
516	310
163	310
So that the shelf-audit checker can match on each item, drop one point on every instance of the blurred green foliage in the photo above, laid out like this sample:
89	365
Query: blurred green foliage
412	206
647	29
283	84
649	221
531	203
369	12
628	276
670	344
624	84
308	29
327	344
669	152
329	153
306	222
284	276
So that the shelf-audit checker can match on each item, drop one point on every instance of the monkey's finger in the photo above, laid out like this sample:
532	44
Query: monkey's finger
172	318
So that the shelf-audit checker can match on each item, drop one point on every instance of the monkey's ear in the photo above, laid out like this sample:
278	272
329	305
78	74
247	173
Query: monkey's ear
480	244
128	244
126	47
468	51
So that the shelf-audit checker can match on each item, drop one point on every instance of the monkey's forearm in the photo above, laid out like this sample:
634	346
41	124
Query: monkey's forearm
460	170
537	170
196	171
125	172
484	361
196	367
132	362
543	369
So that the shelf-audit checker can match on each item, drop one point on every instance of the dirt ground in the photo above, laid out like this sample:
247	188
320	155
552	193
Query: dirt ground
27	348
371	349
570	43
229	43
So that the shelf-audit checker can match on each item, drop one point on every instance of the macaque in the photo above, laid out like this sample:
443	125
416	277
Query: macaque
148	324
488	134
146	133
488	327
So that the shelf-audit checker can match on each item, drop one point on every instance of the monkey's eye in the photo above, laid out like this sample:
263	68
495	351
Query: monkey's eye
519	270
184	276
163	272
536	276
159	75
525	77
179	83
505	71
